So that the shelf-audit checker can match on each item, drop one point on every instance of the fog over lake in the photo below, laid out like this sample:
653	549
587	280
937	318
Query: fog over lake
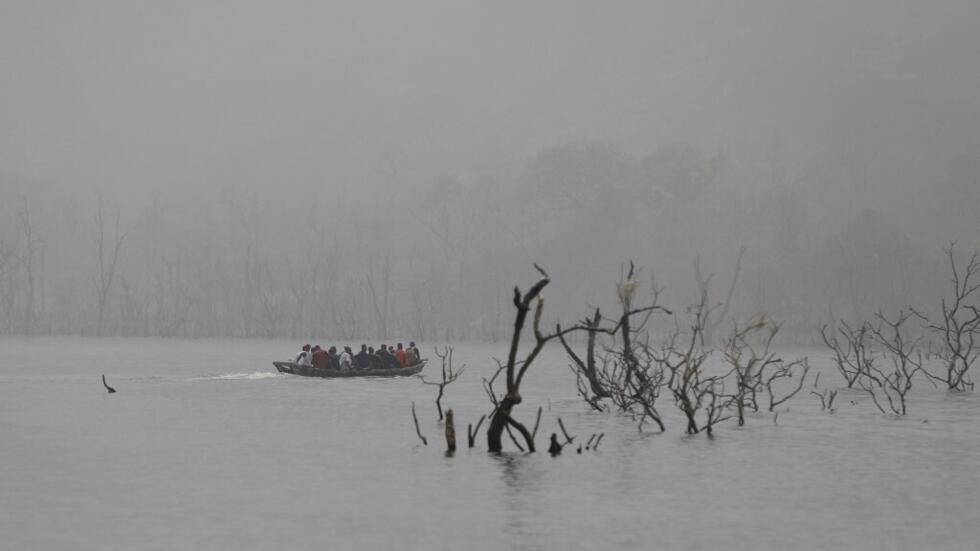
730	198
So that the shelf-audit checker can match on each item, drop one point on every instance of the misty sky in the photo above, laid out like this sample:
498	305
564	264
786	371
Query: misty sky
158	93
383	167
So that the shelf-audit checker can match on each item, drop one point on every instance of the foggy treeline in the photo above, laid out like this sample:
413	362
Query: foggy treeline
234	261
395	178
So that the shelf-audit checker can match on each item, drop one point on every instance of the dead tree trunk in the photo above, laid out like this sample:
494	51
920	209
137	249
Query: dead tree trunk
106	262
515	370
471	432
704	285
7	254
418	431
28	227
450	432
380	304
587	367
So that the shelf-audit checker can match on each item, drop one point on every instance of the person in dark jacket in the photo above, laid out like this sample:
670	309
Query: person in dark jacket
361	360
374	360
389	360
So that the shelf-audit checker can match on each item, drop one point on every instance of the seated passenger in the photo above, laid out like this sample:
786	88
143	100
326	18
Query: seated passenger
374	359
361	360
334	362
346	360
304	357
388	359
382	353
413	354
401	356
321	360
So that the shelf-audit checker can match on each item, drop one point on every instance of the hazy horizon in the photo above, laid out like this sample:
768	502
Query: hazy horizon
457	143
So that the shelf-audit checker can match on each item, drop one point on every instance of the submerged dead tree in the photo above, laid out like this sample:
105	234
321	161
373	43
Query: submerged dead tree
853	358
449	375
684	356
785	370
826	396
756	367
587	376
704	284
959	328
905	357
629	374
418	431
516	369
749	359
471	432
450	432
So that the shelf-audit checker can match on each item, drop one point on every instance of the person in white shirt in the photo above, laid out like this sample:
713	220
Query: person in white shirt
305	357
346	359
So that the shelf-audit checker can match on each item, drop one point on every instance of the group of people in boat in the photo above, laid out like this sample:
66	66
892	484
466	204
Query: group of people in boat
385	357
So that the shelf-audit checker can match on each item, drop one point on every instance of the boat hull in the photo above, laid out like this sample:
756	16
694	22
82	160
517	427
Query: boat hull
308	371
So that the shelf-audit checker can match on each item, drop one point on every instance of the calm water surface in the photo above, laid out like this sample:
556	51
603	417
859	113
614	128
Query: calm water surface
205	446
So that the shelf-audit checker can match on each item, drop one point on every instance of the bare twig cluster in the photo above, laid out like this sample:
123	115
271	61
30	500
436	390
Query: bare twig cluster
852	357
684	356
826	396
882	357
879	358
704	287
903	354
625	370
756	367
632	374
958	330
449	375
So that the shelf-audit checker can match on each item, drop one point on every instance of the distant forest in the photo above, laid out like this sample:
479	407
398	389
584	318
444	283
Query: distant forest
434	257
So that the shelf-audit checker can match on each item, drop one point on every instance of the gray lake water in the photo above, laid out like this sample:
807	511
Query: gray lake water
205	446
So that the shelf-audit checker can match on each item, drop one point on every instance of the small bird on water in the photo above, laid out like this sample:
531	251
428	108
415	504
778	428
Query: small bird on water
107	387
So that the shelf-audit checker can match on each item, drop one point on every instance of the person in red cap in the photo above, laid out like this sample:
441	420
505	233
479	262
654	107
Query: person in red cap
304	357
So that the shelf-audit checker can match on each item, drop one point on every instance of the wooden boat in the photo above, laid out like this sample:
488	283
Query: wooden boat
310	371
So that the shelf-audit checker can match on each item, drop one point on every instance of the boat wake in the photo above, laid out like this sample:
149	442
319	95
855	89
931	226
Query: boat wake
240	376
